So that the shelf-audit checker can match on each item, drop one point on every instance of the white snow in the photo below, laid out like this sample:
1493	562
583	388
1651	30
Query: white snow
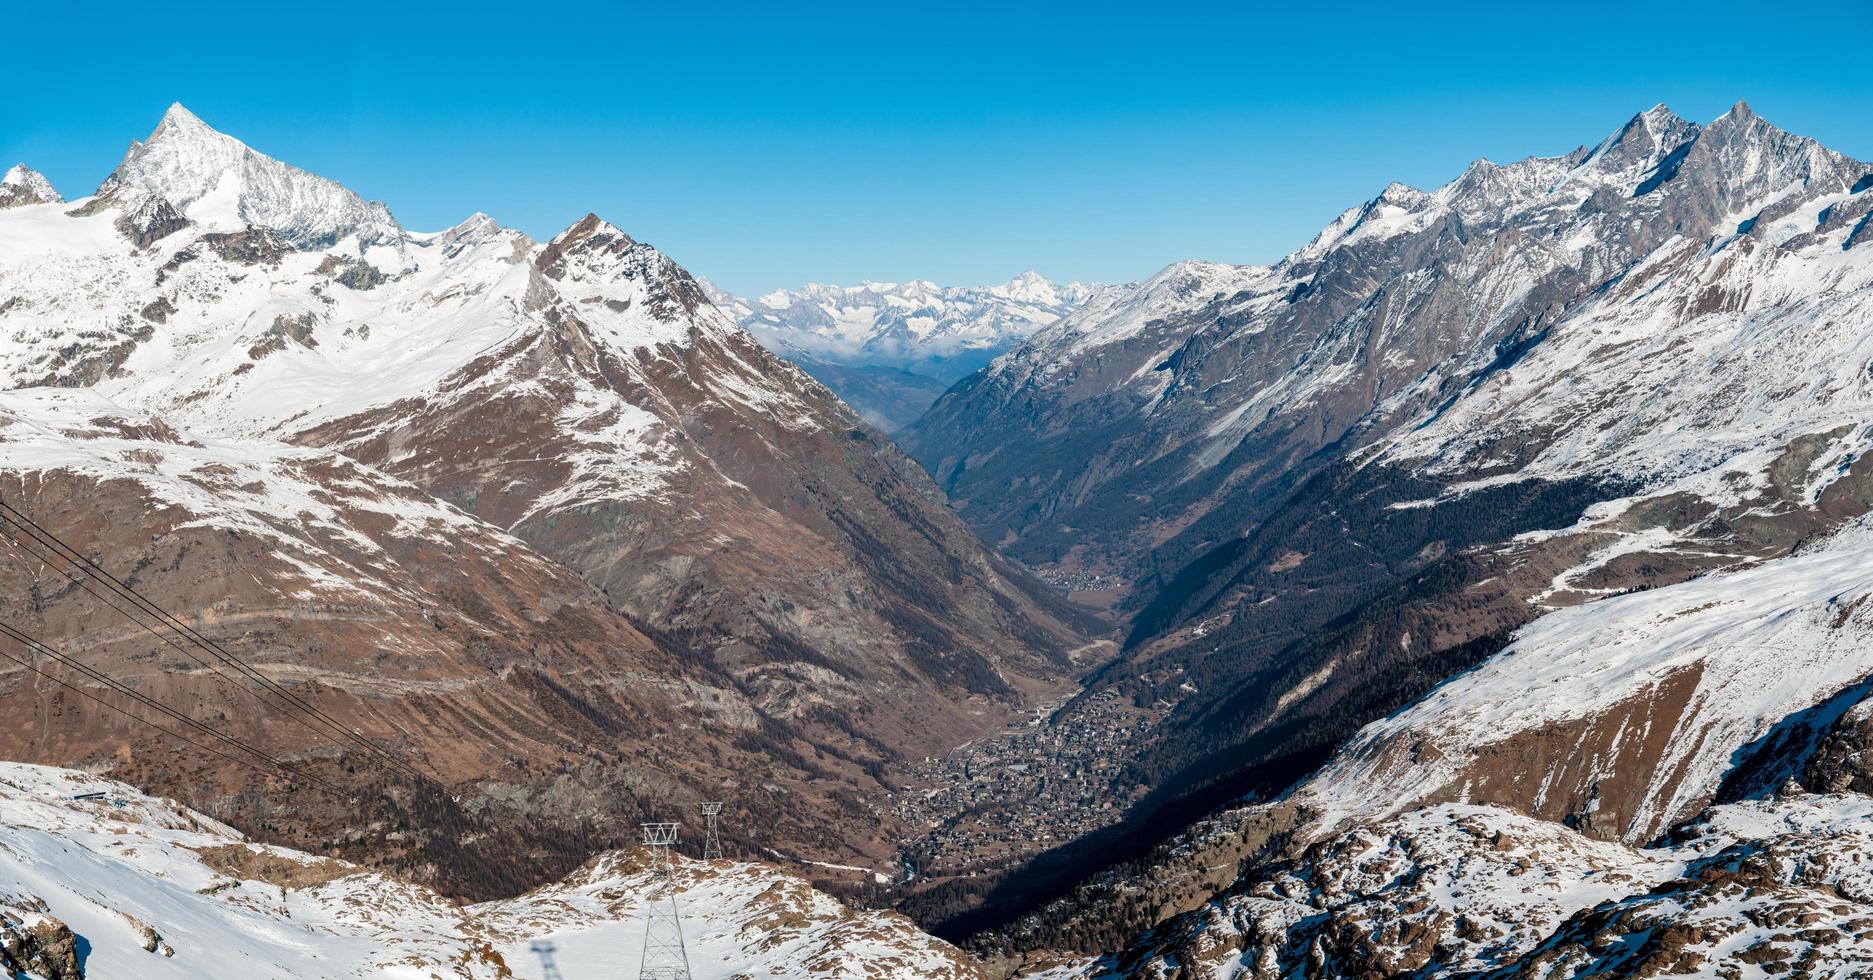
900	324
1490	887
99	864
270	350
21	185
218	181
1762	643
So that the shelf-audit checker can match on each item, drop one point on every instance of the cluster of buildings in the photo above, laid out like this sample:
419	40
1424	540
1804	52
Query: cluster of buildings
1024	790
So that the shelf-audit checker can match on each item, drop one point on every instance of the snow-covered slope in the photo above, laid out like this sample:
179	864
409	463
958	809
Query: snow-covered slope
123	885
1622	787
299	500
1624	716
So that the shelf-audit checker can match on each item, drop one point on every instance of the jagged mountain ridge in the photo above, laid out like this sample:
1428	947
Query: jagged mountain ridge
1340	479
582	402
890	348
1215	363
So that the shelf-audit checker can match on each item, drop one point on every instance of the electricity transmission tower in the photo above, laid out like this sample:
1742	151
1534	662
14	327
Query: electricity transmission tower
665	957
712	827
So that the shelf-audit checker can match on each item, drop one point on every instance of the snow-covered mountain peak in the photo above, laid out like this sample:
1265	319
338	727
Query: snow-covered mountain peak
177	119
1030	285
217	182
477	229
1739	123
1756	156
592	227
1635	148
1193	274
23	185
1398	209
478	225
1660	121
635	292
1405	195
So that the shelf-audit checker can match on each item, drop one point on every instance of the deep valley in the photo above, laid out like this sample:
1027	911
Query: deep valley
1479	590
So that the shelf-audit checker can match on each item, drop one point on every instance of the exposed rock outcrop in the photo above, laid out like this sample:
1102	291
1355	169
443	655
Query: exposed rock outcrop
32	941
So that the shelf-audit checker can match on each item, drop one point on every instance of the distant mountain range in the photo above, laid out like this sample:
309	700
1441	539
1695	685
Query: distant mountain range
889	349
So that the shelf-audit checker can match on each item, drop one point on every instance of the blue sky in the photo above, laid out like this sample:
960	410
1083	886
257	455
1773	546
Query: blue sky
764	146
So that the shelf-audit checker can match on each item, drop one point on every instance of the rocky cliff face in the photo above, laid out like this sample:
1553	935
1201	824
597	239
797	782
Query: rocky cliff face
502	676
563	506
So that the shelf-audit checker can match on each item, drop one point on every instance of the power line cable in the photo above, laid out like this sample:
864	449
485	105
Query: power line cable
82	568
32	643
84	582
27	664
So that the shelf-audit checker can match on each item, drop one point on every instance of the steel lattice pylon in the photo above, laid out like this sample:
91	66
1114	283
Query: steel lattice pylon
712	827
665	957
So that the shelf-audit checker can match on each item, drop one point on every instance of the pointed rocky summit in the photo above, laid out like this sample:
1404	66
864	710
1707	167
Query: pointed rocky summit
23	185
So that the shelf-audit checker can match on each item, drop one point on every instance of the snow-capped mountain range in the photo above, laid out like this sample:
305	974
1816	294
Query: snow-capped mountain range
890	348
1496	560
1429	434
509	505
915	323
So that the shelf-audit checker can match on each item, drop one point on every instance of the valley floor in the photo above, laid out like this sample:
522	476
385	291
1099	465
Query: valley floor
1005	797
